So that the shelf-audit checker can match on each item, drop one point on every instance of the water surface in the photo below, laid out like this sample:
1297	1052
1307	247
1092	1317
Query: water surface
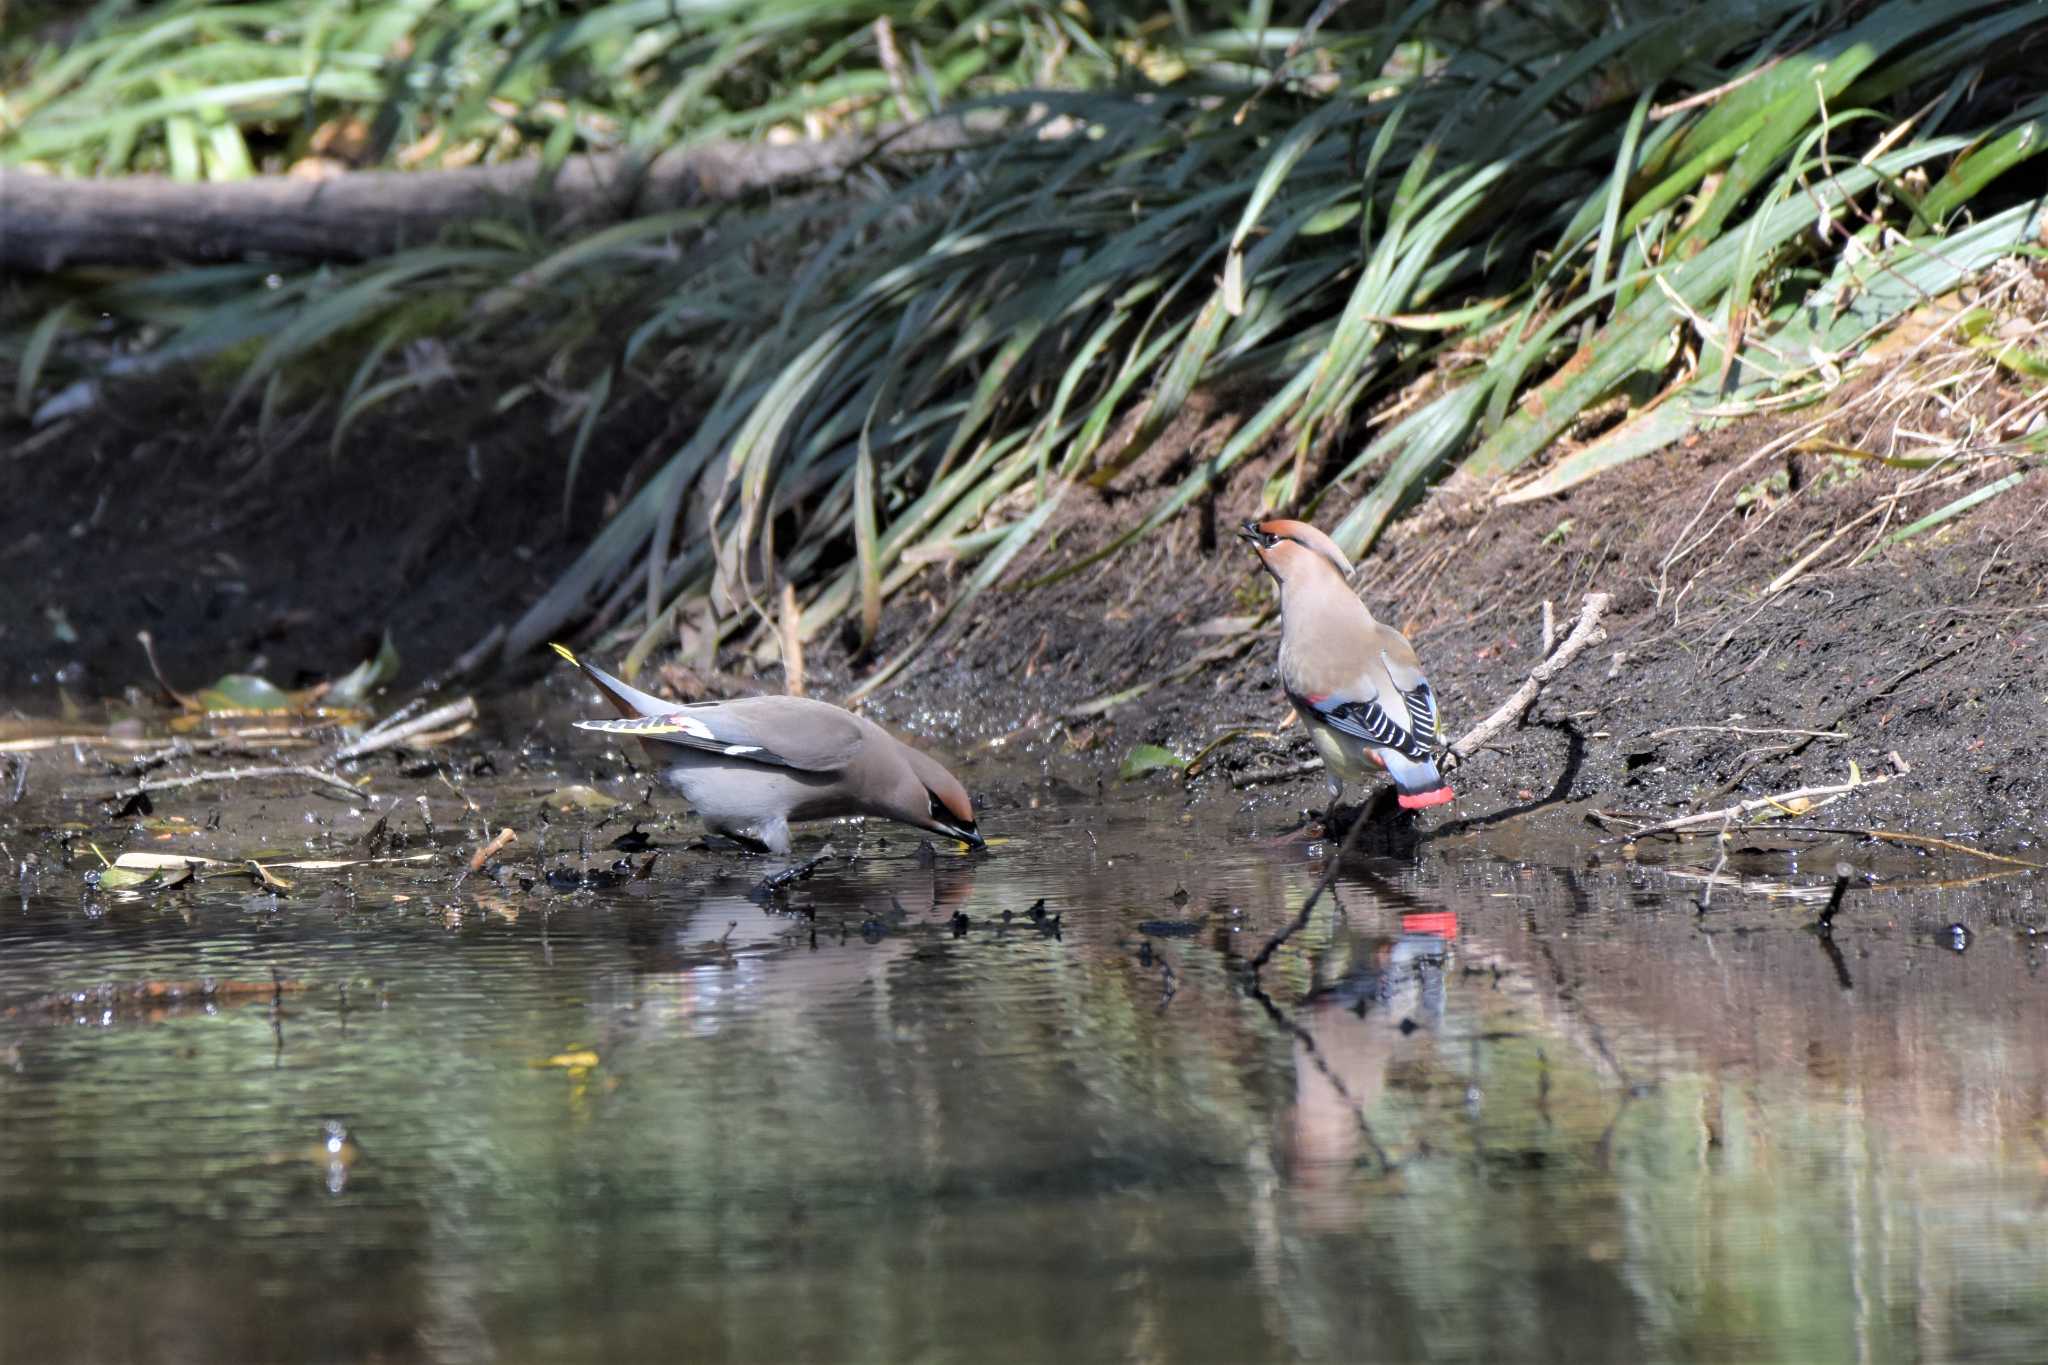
1487	1103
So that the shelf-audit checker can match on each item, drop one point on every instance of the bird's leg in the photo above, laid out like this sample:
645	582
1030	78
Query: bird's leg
749	840
1334	822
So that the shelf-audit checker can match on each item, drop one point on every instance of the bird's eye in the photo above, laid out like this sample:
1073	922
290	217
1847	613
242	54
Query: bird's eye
938	807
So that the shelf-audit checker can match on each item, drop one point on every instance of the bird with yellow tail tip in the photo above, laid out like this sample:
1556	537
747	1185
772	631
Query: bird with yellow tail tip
753	766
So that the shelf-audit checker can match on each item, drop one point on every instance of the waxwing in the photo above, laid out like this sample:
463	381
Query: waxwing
752	765
1355	683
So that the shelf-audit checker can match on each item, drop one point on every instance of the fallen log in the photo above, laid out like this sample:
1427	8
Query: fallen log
48	223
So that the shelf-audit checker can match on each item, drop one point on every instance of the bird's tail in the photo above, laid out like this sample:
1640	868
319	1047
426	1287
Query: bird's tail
625	698
1419	781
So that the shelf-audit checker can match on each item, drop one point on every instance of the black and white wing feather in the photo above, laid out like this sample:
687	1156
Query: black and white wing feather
1368	720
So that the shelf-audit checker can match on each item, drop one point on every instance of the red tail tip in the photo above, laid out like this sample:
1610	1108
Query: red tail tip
1426	799
1442	924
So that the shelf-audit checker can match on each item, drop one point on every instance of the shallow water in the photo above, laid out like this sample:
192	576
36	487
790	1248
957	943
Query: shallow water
1489	1102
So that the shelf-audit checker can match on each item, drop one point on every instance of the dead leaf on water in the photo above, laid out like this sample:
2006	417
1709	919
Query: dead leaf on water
265	878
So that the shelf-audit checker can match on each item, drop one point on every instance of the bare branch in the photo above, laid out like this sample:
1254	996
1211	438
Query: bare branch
1586	632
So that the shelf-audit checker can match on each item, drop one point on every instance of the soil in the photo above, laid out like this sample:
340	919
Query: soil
288	562
1764	635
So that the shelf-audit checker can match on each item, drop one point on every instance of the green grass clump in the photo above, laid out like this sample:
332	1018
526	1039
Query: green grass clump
1428	241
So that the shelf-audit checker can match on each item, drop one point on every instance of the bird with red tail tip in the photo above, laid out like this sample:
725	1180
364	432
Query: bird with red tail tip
1355	683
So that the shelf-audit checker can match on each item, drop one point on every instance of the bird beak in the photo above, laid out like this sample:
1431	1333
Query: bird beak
1251	533
970	837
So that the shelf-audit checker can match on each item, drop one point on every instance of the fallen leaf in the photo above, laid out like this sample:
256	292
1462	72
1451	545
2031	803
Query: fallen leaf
354	687
244	692
265	878
1147	759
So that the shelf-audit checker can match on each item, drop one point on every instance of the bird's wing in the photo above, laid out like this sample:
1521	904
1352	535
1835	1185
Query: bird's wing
784	732
1367	719
627	700
1405	677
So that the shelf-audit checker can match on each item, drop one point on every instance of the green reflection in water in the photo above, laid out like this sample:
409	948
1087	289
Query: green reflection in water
1608	1132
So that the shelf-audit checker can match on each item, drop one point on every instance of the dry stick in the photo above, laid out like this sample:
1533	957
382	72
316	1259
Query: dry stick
792	636
236	775
1747	808
1744	730
1585	633
394	735
1239	781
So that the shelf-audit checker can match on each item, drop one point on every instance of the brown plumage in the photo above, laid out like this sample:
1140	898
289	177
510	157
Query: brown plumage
752	765
1355	683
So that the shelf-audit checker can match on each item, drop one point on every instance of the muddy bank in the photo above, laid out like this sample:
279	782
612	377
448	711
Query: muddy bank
270	552
1767	630
1708	691
1765	634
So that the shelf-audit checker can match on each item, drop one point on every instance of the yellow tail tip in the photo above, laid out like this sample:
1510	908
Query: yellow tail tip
564	651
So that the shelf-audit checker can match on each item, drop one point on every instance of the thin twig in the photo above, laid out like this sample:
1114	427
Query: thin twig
1660	112
1585	633
1743	730
391	736
1744	809
1896	836
237	775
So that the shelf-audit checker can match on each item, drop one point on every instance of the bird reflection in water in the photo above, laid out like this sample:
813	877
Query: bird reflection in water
1384	1005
